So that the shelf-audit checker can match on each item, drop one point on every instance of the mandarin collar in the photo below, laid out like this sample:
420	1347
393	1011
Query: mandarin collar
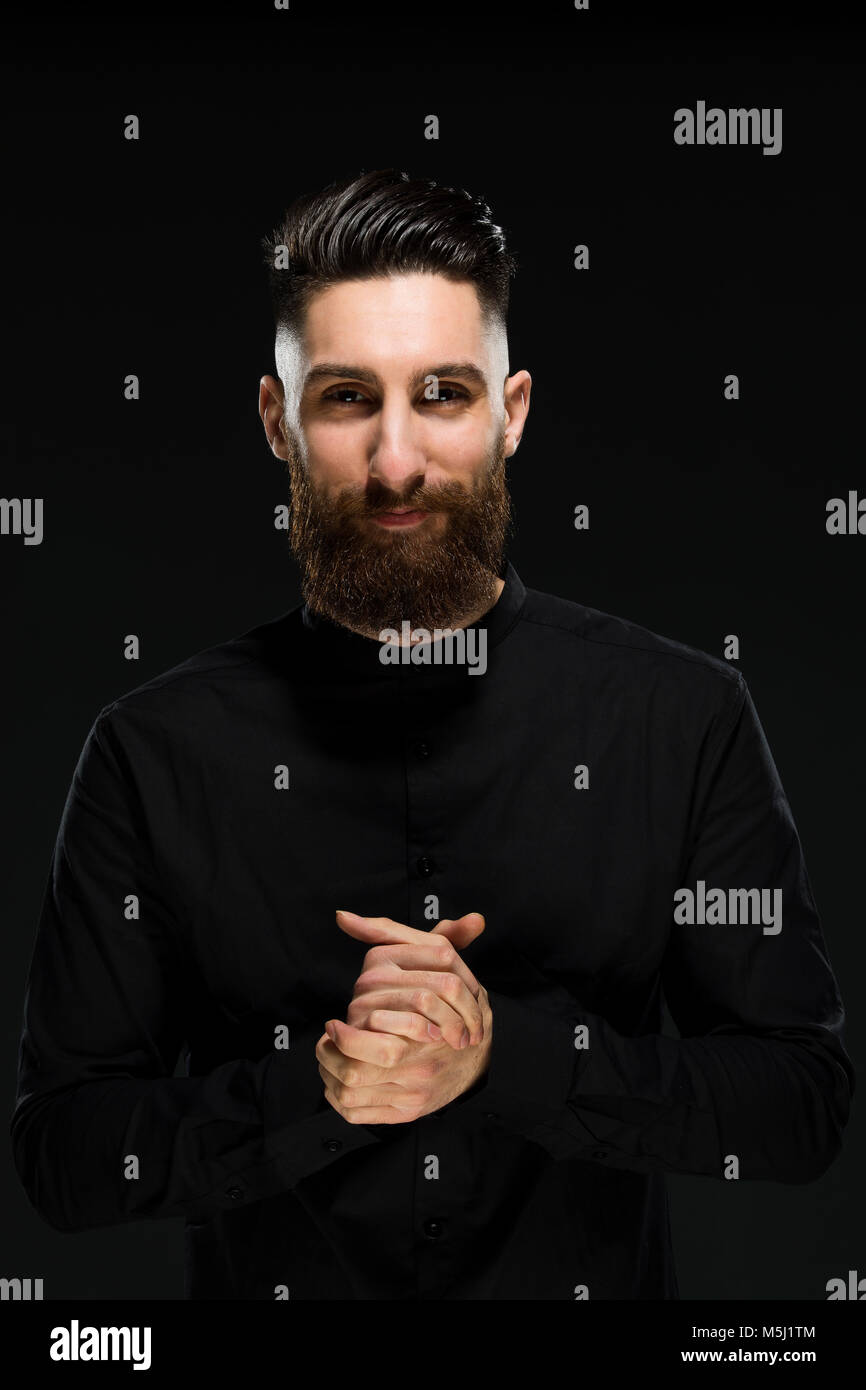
346	653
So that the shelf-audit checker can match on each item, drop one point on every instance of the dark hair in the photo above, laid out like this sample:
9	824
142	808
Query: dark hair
382	223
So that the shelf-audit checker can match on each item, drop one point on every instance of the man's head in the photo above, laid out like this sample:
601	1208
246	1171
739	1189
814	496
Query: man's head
390	298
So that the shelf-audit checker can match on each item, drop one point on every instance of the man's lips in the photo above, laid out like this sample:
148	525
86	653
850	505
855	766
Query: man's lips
401	518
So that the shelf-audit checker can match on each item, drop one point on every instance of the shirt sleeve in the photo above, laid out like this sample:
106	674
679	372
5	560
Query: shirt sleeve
102	1131
759	1073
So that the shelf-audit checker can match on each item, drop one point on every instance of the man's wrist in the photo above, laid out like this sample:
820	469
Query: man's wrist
479	1080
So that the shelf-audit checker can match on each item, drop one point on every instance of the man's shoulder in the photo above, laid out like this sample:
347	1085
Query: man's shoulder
606	642
209	677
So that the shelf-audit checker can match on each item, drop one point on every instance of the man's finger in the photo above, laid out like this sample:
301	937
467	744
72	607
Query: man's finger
382	1049
404	1025
371	1115
416	988
354	1098
384	929
353	1094
427	1006
337	1069
461	931
430	955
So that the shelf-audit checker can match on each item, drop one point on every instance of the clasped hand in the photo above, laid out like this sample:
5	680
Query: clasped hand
419	1027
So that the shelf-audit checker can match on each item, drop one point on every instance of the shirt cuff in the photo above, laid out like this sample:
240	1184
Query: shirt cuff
532	1066
303	1133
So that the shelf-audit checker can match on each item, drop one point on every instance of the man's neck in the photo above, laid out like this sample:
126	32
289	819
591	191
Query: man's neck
473	617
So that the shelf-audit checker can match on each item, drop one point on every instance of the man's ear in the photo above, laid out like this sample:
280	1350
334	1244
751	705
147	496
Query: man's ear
516	402
271	412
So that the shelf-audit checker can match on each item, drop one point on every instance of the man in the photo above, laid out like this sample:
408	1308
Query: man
479	855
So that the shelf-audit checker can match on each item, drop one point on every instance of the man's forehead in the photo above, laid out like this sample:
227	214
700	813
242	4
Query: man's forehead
410	313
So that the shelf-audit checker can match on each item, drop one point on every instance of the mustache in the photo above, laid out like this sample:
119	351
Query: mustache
375	501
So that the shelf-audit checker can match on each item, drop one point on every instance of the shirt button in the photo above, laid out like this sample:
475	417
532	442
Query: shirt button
332	1145
434	1228
422	749
491	1115
236	1193
425	866
599	1153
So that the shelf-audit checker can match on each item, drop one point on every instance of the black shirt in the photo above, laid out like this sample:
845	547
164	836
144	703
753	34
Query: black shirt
406	781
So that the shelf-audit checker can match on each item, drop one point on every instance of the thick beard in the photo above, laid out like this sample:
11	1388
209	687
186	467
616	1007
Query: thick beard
368	578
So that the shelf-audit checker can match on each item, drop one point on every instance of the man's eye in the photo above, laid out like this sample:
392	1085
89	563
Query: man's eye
343	391
455	391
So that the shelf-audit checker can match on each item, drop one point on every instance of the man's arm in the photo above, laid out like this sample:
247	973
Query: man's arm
103	1027
760	1071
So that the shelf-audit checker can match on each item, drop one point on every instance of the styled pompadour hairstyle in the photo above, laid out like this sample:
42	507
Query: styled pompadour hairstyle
384	223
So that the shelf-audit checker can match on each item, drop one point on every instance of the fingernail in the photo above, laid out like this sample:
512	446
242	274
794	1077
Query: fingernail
434	1031
464	1038
331	1031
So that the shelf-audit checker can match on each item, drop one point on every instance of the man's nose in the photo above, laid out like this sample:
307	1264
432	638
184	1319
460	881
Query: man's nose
397	457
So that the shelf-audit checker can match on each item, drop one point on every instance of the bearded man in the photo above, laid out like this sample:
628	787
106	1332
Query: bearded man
411	932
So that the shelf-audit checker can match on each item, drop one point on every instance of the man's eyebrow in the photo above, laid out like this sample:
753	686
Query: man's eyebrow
466	371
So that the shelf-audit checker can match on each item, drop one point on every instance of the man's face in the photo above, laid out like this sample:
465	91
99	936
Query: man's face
395	423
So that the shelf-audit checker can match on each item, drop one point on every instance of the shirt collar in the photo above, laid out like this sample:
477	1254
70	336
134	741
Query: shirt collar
345	652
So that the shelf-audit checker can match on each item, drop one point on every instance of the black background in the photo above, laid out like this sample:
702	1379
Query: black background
707	516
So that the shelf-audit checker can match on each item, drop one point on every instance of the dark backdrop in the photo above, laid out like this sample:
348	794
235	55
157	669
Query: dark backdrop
707	516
